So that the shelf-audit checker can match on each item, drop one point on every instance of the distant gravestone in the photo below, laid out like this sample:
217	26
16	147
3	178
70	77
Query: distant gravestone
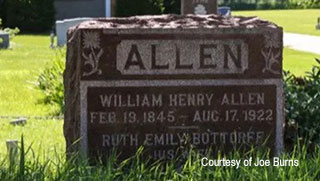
62	27
20	121
4	40
168	82
12	148
318	25
199	7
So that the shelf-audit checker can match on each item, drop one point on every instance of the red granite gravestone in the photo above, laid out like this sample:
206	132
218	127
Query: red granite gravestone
199	7
167	82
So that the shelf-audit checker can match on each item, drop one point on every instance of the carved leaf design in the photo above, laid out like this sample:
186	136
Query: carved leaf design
270	53
91	41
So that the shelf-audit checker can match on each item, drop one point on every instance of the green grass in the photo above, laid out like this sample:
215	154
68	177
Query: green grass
137	168
45	136
295	21
298	62
19	68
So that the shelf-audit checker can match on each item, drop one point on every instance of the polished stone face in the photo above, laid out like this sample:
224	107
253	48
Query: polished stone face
182	56
209	82
199	7
163	116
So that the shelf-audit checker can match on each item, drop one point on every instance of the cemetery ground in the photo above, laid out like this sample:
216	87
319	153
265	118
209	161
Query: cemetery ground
19	70
293	21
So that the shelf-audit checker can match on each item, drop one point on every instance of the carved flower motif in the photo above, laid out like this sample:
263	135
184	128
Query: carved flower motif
91	40
272	41
200	10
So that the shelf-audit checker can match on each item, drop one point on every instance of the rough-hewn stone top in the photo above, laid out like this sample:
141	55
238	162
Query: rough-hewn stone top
177	21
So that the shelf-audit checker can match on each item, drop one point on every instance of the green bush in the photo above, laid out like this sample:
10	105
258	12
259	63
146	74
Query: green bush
2	9
127	8
12	32
305	4
50	82
303	107
30	15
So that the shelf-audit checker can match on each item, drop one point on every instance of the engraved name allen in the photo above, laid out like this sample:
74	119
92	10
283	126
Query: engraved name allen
192	99
182	57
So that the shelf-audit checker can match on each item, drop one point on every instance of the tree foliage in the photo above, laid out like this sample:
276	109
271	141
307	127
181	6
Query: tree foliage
127	8
29	15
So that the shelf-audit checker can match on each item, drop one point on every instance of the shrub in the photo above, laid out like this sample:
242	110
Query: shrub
30	15
12	32
309	3
303	107
50	82
2	9
127	8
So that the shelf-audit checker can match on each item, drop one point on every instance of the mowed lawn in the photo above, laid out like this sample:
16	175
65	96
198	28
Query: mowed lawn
19	68
294	21
297	62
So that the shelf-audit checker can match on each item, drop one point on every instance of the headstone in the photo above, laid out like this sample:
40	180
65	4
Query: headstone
168	82
12	145
52	37
63	26
318	25
19	121
199	7
4	40
12	148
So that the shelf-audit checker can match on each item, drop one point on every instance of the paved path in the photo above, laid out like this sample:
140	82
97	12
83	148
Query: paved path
307	43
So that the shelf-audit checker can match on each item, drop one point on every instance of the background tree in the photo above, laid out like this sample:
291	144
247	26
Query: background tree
29	15
127	8
172	6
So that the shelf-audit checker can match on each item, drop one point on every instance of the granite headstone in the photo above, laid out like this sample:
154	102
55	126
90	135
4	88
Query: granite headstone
167	82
